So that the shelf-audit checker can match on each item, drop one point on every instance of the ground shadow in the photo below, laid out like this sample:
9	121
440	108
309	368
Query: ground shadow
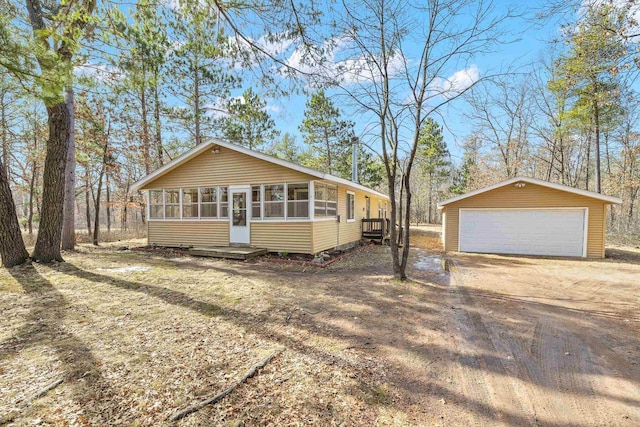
43	326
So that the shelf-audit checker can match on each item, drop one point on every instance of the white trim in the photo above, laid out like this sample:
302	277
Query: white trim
586	219
586	232
312	200
239	189
591	194
444	229
200	148
348	206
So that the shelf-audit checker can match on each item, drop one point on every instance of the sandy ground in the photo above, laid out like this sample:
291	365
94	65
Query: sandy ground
499	341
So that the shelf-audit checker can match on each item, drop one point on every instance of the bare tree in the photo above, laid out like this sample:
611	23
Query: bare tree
503	116
400	63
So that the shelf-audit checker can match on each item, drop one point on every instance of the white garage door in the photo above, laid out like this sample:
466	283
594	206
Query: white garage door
554	232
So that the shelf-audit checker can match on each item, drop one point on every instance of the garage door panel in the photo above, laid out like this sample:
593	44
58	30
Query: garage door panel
558	232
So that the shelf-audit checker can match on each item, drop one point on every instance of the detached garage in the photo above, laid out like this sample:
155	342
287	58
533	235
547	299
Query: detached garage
526	216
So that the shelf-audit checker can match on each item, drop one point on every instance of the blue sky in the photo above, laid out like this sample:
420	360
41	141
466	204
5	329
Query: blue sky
530	41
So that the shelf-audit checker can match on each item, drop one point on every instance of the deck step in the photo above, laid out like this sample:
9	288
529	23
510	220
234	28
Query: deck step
241	253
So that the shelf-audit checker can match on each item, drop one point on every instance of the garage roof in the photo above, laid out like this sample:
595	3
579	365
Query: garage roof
591	194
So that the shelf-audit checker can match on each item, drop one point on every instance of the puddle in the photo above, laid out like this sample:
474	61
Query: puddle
129	269
429	263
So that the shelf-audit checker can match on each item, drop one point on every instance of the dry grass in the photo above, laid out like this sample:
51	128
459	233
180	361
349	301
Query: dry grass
137	337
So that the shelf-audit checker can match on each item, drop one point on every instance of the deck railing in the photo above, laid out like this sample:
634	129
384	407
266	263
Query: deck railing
375	228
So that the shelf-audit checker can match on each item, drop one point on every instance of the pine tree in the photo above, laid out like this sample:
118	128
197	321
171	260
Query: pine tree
248	123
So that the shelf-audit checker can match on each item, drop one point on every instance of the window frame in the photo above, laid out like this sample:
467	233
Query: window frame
294	218
326	201
351	197
182	204
149	205
179	204
200	203
264	202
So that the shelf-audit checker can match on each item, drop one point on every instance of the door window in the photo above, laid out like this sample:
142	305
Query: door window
239	209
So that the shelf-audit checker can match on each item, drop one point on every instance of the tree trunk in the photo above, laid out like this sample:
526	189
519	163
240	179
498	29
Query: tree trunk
87	199
158	124
47	247
146	149
69	220
12	250
32	190
4	139
103	169
96	219
108	207
586	183
123	221
596	120
196	104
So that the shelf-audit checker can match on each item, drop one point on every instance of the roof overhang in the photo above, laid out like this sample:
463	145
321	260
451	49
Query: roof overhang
590	194
202	147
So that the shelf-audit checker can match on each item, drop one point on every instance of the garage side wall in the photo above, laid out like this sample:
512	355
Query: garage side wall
531	196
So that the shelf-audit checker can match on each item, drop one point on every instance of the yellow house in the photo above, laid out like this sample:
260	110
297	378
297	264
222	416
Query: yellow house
222	194
527	216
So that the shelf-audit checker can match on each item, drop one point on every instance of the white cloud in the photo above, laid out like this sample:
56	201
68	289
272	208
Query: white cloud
101	72
457	83
332	62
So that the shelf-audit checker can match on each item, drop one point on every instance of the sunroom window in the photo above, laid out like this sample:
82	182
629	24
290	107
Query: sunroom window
224	202
326	200
255	202
209	202
156	204
190	203
172	203
274	201
298	200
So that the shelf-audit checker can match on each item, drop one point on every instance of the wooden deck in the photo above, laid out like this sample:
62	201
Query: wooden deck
241	253
375	229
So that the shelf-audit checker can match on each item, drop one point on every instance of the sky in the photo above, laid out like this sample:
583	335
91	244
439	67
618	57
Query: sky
529	41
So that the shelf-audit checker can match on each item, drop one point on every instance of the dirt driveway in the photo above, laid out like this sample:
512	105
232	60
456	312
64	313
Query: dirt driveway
544	341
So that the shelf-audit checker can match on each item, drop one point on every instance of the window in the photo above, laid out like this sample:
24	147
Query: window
380	214
172	203
209	202
274	201
224	202
351	206
255	202
190	203
298	200
326	200
156	204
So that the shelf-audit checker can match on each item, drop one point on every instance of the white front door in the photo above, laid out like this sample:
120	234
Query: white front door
555	232
239	217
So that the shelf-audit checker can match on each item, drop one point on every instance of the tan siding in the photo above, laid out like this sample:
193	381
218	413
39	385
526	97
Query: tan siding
329	234
325	235
531	196
188	233
226	168
289	236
